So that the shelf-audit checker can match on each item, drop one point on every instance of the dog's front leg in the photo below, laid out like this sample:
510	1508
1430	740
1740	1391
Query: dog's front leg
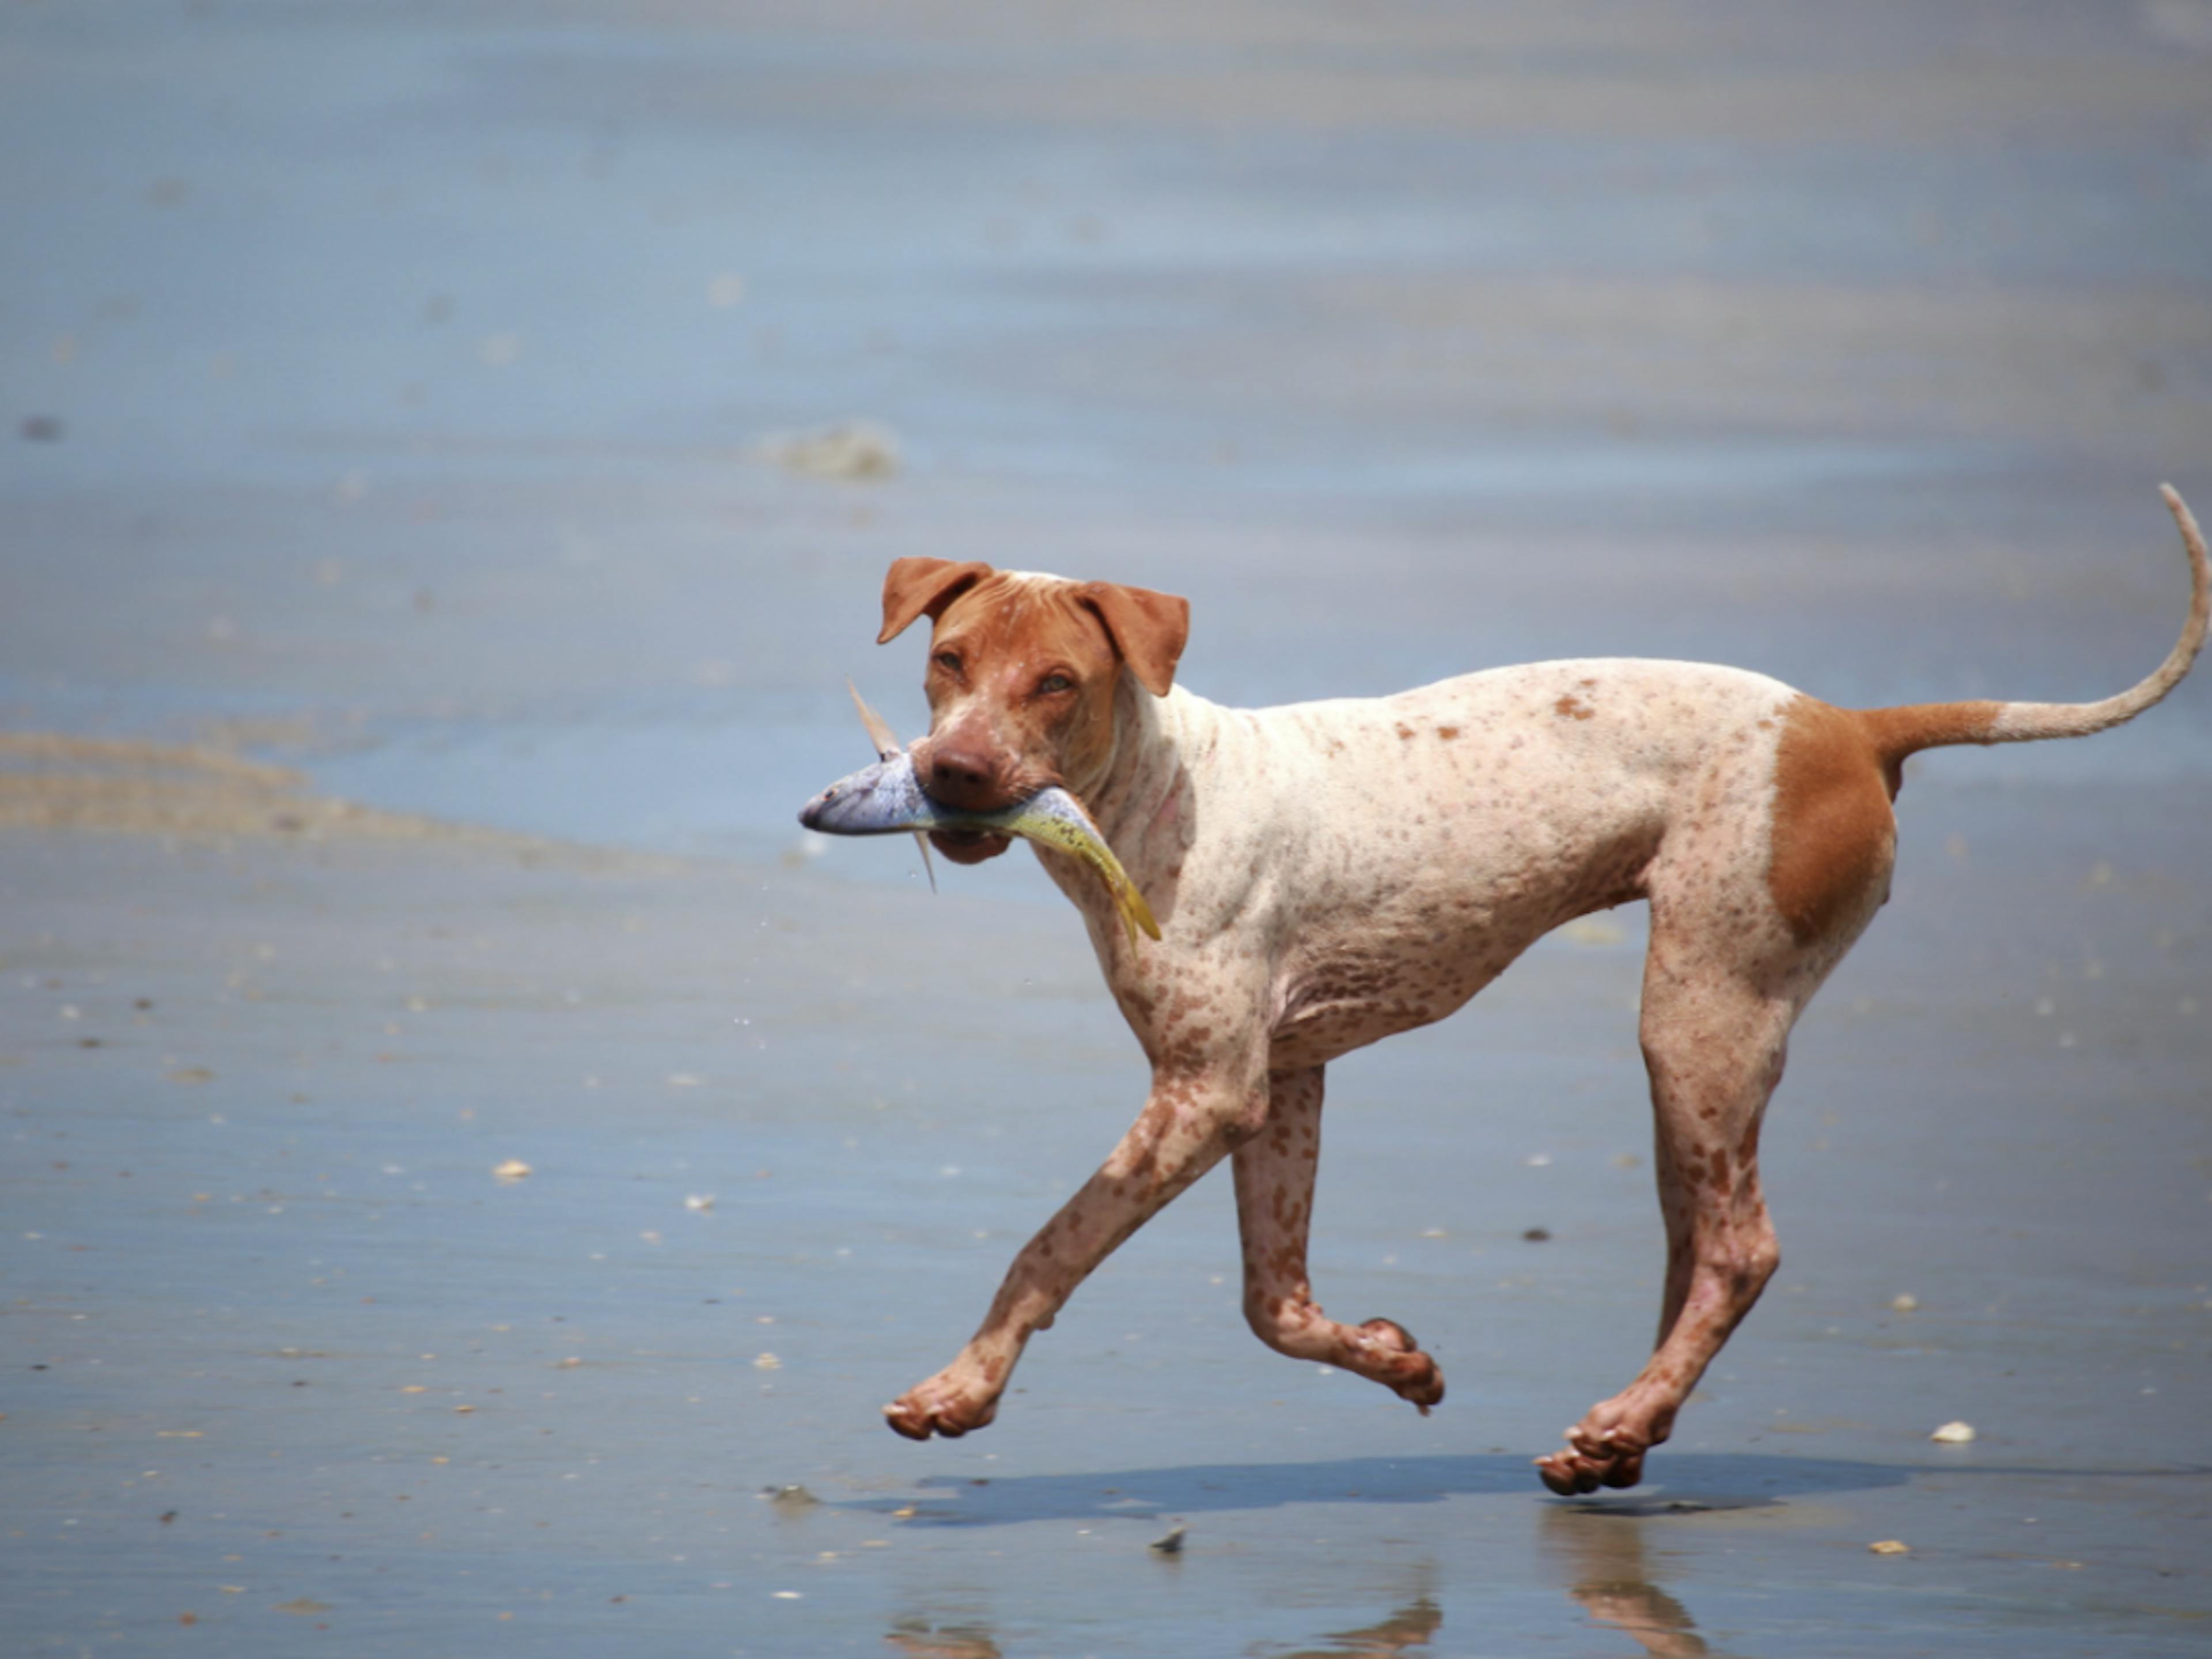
1193	1119
1274	1208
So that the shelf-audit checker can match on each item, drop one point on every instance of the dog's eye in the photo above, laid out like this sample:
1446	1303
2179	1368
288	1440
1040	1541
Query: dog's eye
1052	684
949	661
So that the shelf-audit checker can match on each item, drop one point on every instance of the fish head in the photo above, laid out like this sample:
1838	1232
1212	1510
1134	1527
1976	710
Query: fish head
1023	677
875	800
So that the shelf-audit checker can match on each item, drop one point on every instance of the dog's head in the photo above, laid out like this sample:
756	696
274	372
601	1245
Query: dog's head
1023	673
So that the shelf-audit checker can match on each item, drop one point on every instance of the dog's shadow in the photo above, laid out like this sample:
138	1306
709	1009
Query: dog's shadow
1692	1482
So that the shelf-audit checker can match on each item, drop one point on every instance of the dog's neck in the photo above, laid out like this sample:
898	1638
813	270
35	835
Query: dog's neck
1140	797
1144	765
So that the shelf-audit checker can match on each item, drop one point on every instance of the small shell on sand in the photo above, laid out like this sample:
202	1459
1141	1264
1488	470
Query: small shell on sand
513	1170
1954	1433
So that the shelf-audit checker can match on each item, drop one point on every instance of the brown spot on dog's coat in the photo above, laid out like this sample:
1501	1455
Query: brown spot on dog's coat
1447	732
1833	835
1573	707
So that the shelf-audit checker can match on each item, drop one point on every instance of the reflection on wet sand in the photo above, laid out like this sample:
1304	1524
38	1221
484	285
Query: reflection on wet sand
1410	1627
1600	1553
1596	1551
919	1639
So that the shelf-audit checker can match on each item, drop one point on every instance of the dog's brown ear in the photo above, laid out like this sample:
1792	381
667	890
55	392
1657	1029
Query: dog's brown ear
919	588
1148	629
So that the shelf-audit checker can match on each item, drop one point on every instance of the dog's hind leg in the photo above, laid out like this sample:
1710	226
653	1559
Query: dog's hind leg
1742	934
1274	1174
1714	1049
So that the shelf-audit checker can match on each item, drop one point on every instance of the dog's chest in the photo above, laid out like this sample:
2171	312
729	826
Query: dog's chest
1365	967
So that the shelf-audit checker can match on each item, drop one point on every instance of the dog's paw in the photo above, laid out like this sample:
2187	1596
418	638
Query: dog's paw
1404	1369
1591	1458
938	1408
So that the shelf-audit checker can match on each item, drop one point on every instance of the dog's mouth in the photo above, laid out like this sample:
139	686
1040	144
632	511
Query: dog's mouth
970	845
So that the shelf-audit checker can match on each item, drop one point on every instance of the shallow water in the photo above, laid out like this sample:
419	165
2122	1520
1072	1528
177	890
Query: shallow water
413	376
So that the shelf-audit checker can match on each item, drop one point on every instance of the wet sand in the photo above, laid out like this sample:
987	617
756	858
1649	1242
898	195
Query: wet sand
424	609
285	1351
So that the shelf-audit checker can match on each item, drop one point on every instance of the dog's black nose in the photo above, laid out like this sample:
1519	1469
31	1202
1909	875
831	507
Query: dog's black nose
960	776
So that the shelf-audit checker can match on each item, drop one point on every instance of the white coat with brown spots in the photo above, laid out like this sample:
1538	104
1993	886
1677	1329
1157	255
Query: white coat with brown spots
1329	873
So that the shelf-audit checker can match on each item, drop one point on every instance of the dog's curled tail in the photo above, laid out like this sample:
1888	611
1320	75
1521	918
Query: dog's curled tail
1903	730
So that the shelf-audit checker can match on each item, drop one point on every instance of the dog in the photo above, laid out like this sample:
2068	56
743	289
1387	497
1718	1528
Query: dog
1326	874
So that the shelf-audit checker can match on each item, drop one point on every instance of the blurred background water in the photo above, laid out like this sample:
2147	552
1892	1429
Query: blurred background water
400	388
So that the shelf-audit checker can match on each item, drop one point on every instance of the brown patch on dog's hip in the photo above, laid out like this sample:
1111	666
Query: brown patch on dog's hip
1833	835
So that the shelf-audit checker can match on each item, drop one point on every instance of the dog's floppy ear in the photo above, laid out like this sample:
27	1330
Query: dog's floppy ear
917	587
1148	629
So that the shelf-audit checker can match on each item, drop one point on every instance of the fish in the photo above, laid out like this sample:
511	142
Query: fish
887	797
887	745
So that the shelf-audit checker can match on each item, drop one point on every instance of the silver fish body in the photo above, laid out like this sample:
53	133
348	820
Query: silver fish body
888	798
883	799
